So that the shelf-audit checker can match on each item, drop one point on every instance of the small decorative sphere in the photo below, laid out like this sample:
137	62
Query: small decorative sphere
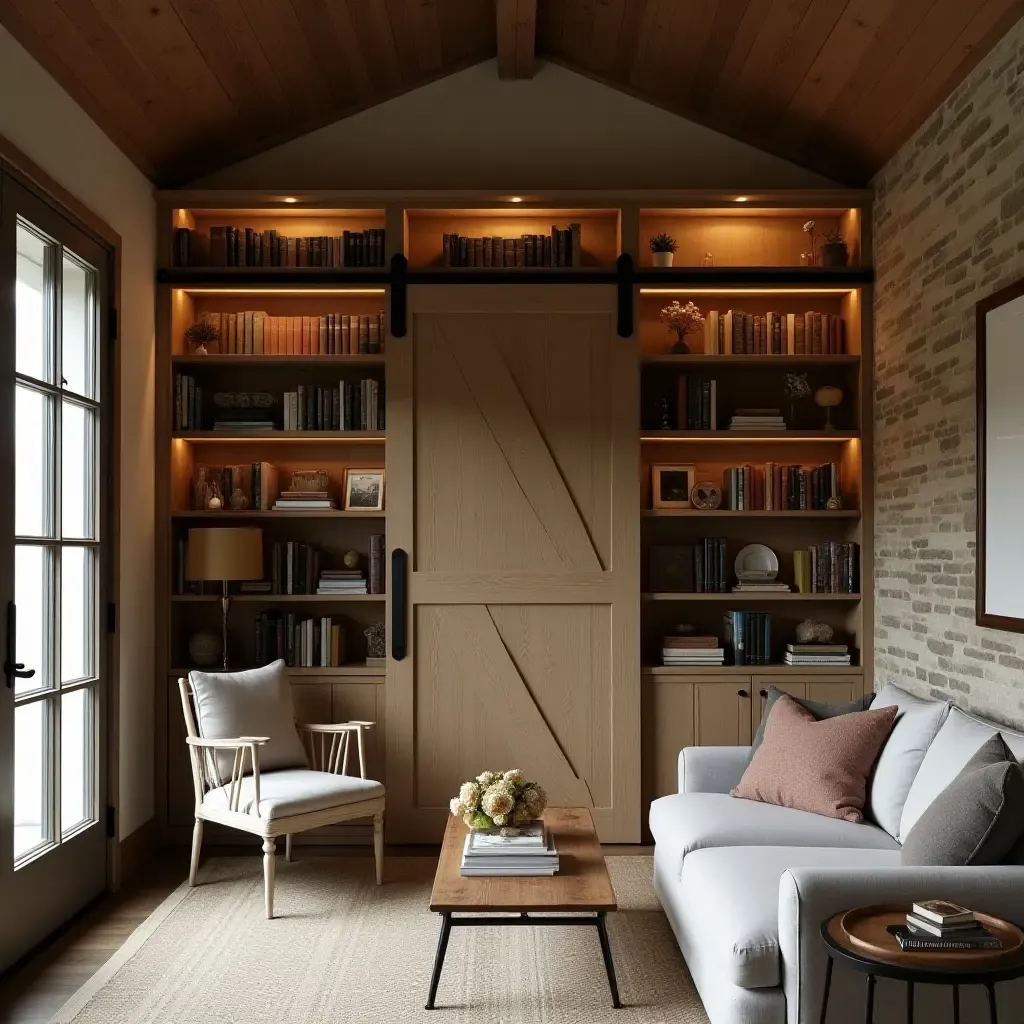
214	504
834	503
351	559
204	648
811	632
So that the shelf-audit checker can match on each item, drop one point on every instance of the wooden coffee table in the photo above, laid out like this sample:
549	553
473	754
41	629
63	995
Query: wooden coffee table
581	886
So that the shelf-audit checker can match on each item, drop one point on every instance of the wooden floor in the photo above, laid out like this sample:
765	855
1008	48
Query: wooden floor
36	990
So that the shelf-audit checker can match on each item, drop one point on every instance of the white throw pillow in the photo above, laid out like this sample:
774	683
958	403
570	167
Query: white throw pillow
916	726
257	702
956	743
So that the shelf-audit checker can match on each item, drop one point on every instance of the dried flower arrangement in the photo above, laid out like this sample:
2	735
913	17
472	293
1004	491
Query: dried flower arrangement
203	332
682	320
498	799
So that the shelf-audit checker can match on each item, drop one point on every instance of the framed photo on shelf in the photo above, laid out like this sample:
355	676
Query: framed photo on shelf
364	490
671	485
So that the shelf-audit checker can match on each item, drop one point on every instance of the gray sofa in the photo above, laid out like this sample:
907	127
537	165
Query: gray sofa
745	885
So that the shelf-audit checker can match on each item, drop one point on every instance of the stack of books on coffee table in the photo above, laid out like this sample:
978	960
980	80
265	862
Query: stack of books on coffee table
531	852
942	926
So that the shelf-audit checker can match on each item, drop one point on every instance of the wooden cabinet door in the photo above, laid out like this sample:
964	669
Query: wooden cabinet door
721	713
667	727
761	684
513	459
834	691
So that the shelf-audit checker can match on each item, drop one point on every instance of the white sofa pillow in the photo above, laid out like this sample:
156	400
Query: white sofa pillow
956	743
257	702
917	725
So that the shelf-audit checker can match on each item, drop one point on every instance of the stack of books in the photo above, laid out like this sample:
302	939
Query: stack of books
734	332
817	654
776	488
940	925
829	568
293	500
226	245
760	587
531	852
757	419
341	582
691	650
562	248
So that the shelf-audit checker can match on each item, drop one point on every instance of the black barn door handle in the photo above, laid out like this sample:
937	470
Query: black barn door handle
399	563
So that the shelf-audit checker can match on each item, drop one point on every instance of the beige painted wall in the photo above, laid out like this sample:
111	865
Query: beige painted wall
38	117
472	130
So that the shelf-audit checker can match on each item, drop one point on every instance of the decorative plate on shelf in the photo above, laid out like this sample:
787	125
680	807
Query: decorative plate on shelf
756	562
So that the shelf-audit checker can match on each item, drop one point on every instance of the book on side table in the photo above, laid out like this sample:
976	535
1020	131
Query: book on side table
941	925
530	852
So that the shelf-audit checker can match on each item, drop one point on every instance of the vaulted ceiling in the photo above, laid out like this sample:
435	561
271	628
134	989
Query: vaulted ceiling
187	86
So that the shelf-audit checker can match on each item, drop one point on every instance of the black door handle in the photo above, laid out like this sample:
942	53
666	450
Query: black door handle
14	669
399	561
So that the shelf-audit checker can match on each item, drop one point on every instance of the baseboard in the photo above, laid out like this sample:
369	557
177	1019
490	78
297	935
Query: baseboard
136	850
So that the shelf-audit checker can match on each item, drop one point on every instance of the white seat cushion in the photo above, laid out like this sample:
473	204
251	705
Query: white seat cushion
916	727
954	745
732	896
684	822
297	791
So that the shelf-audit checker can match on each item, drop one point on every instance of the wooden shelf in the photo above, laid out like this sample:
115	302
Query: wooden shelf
662	671
672	513
288	277
779	598
511	275
749	435
309	513
757	277
280	598
289	361
279	435
672	359
351	669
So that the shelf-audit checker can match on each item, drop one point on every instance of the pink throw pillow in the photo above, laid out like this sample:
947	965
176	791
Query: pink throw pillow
815	766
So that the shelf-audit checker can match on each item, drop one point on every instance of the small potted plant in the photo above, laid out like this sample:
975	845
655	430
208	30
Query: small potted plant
682	320
832	252
663	248
203	332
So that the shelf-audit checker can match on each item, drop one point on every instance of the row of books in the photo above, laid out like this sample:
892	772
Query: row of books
253	332
940	926
352	405
773	487
188	403
697	568
531	852
696	403
817	654
295	569
828	568
255	482
692	649
229	246
748	635
562	248
735	332
303	643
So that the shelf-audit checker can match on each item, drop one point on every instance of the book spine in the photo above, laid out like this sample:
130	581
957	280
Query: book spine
376	582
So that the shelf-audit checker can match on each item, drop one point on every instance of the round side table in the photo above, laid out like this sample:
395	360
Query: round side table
859	940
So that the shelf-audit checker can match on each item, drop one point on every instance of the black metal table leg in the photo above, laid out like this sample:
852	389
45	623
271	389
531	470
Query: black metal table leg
956	1004
609	966
442	946
828	987
993	1016
869	1005
910	1002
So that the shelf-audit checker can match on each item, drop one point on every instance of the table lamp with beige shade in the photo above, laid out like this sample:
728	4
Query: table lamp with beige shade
226	554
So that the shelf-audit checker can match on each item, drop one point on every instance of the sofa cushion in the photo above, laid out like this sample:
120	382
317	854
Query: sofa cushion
916	726
297	791
977	818
954	745
816	766
684	822
257	702
733	896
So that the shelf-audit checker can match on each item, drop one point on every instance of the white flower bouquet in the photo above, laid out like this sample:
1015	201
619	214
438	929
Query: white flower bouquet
499	800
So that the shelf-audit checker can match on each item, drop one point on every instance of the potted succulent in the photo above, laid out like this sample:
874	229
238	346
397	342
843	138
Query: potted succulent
832	252
203	332
663	248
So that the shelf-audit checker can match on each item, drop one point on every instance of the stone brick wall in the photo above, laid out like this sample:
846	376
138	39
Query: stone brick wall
948	230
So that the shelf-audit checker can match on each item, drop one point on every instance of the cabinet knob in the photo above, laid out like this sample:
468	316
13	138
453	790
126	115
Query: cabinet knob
762	693
742	693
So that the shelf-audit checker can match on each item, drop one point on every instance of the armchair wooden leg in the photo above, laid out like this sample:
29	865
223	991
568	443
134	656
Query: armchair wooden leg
268	876
197	842
288	847
378	846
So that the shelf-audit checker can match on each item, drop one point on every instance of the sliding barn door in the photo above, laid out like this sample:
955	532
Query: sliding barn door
513	489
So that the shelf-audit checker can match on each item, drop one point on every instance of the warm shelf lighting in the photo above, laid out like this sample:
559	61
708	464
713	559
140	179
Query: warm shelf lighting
515	199
290	199
741	199
740	290
735	437
271	291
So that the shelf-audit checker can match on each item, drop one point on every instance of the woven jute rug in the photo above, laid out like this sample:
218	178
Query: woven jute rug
344	950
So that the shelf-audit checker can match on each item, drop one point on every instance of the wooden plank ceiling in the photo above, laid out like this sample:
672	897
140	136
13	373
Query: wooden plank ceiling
187	86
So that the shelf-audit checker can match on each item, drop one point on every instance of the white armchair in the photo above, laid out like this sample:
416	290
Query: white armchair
292	779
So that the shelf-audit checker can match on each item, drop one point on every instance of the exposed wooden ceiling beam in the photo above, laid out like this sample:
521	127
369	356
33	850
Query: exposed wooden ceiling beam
517	37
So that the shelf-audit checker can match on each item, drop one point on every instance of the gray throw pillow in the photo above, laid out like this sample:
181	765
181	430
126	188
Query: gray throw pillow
977	818
816	707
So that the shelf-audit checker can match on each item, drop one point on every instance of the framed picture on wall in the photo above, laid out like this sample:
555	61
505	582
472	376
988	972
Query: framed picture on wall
364	490
671	485
999	365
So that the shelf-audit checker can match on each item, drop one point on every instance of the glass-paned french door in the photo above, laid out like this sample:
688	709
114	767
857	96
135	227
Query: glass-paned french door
52	503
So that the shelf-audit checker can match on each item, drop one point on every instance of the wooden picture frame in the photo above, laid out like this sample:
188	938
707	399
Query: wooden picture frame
999	360
671	485
364	490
